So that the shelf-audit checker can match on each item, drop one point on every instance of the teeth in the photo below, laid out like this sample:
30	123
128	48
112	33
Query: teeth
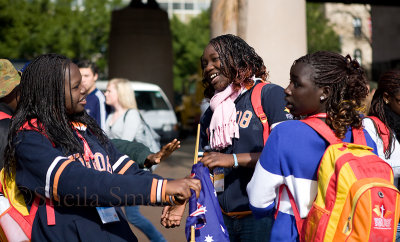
213	75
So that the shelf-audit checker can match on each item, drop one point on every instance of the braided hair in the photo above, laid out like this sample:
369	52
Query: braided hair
239	62
42	97
388	83
348	84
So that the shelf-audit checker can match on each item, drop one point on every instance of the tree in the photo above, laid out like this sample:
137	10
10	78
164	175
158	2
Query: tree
188	43
320	34
33	27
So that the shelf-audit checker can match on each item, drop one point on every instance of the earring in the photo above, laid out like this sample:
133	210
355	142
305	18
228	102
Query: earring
386	101
322	98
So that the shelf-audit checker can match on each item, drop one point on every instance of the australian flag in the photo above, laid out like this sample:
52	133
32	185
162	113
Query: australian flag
204	213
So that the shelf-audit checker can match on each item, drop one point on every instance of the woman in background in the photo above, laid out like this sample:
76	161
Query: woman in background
385	105
125	123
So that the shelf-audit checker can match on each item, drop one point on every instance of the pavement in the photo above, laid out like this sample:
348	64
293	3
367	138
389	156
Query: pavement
178	165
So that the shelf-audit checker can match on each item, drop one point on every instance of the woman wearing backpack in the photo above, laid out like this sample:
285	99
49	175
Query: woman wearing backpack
323	85
232	71
385	106
58	153
124	121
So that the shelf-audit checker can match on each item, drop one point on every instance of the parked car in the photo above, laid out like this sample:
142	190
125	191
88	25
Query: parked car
155	108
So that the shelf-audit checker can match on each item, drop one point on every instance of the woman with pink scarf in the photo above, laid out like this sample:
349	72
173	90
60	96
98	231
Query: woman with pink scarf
231	133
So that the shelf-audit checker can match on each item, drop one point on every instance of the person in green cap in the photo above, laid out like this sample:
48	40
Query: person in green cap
9	81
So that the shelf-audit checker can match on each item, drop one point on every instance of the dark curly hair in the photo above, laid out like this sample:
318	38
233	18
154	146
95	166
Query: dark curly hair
239	62
348	84
42	96
388	83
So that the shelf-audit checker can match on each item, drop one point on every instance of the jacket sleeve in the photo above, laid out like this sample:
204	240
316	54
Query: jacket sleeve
44	170
267	178
138	152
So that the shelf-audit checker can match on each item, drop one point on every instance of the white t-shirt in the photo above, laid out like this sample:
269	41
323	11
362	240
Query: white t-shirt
394	160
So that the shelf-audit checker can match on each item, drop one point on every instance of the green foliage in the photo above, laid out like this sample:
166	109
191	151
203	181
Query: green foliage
188	43
320	34
33	27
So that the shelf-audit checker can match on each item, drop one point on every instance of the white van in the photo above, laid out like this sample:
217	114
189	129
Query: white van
155	108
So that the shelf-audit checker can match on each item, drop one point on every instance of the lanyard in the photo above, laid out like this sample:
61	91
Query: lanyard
318	115
88	155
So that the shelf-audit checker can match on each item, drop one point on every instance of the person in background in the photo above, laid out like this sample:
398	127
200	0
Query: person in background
95	101
385	105
323	85
230	127
124	121
9	81
60	153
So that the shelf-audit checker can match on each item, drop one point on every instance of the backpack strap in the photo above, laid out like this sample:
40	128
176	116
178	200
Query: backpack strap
299	220
126	113
51	216
322	129
382	130
359	137
34	125
258	109
326	132
4	115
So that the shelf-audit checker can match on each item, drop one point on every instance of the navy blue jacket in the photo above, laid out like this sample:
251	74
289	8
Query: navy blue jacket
96	107
77	187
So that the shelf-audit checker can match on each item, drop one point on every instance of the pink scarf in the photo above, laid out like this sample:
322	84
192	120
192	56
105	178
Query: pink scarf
223	126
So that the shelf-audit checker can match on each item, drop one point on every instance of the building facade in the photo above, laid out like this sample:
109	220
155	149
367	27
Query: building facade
352	22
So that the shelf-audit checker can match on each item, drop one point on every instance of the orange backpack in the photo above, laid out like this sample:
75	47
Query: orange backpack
356	199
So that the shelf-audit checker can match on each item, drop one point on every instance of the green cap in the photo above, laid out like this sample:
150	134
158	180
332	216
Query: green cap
9	77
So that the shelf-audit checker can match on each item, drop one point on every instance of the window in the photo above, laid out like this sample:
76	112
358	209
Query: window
357	27
358	56
150	100
163	6
189	6
176	6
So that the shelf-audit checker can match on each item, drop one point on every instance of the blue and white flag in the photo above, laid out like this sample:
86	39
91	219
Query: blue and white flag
205	213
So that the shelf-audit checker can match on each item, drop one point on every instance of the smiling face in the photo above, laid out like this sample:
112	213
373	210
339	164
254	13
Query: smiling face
75	93
211	64
302	95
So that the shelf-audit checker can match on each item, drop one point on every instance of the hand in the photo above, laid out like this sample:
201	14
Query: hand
172	215
165	151
181	188
216	159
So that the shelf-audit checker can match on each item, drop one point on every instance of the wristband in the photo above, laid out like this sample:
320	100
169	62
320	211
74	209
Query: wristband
236	165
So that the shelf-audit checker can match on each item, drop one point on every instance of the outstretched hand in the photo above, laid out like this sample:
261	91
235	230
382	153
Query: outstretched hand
165	151
172	215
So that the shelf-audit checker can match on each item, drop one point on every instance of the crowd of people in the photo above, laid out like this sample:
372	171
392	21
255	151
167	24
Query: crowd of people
55	116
